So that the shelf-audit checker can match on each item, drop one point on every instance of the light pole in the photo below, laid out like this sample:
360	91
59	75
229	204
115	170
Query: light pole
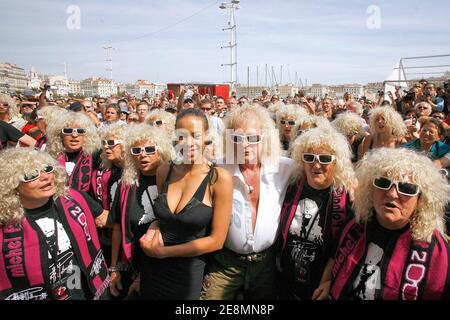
231	5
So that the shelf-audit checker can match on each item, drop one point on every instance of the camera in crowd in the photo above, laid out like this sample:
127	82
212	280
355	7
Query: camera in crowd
410	96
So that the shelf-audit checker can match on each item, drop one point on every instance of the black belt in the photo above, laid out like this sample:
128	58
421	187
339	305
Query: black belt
251	257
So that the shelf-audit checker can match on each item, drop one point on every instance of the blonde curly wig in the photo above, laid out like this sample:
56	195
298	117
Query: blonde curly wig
14	164
325	137
142	133
165	116
12	106
289	111
69	119
349	123
392	118
116	131
271	146
397	164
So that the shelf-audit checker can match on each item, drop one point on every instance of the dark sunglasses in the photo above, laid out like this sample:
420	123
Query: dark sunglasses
111	143
404	188
289	122
251	139
69	131
35	174
158	123
322	158
135	151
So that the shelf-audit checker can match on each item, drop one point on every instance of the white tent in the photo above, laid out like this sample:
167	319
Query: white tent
395	78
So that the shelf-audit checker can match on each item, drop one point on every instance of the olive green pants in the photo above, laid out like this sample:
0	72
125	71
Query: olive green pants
231	276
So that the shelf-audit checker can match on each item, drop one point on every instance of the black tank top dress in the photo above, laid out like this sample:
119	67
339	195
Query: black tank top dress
177	278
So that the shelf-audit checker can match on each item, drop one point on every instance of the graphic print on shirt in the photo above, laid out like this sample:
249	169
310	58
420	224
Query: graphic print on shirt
113	192
64	267
305	221
146	202
368	280
307	238
69	167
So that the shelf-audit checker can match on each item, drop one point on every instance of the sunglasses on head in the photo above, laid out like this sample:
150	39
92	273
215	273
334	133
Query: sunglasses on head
135	151
251	139
111	143
289	122
404	188
158	123
35	174
69	131
322	158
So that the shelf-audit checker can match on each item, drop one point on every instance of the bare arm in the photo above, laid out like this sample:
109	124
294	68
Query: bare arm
222	192
321	293
42	98
116	284
364	146
29	141
180	100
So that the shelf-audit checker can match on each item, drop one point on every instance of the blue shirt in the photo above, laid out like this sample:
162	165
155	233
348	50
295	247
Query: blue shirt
437	151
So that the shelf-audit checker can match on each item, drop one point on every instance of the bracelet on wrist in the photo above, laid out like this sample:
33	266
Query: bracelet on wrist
113	269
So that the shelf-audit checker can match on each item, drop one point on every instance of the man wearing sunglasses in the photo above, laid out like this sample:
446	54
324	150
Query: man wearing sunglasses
395	248
49	233
260	178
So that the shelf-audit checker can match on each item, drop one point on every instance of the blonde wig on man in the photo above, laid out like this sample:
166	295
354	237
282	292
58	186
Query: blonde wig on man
68	120
167	117
13	109
336	143
142	133
349	124
115	131
14	164
406	165
271	146
393	119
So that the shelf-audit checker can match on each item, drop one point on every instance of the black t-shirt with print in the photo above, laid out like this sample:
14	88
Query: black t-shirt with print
65	273
8	133
113	183
305	255
140	211
367	277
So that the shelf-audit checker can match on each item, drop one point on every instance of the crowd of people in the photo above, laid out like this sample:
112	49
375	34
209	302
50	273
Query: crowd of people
200	197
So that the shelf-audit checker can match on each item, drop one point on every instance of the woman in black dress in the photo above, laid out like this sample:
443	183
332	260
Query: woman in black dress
189	224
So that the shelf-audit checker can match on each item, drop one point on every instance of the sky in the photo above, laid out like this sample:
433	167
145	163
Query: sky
323	41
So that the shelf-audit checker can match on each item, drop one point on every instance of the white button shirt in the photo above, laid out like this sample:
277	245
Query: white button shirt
273	184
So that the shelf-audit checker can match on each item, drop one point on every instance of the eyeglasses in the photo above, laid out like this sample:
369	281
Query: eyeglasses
206	109
439	117
251	139
289	122
35	174
111	143
158	123
133	120
404	188
69	131
322	158
135	151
